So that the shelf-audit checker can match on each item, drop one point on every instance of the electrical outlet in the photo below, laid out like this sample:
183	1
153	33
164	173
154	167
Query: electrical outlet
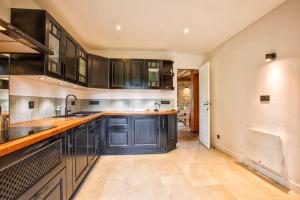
31	104
218	136
94	102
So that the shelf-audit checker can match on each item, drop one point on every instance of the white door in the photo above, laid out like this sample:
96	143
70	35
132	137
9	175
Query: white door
204	118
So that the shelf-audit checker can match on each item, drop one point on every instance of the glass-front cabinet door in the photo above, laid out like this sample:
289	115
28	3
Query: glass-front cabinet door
153	73
82	71
4	97
54	61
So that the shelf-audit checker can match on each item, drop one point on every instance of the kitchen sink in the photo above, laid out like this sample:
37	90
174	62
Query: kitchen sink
77	114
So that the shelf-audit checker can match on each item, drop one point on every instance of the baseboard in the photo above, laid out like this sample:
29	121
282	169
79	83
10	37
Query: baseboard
287	183
294	186
228	151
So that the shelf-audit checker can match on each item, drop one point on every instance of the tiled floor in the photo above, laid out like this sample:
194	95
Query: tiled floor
187	173
184	134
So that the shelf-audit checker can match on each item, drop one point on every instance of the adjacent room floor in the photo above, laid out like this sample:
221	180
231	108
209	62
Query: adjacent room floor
185	134
189	172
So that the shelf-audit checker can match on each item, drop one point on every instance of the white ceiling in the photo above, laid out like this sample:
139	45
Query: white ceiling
157	24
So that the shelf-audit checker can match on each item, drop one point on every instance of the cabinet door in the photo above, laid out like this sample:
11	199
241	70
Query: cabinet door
172	132
118	135
153	73
82	68
70	62
94	142
146	131
55	38
69	163
54	189
103	135
163	130
98	68
80	154
136	73
118	73
119	138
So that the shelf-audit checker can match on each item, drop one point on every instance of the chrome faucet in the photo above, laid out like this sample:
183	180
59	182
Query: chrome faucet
157	108
67	110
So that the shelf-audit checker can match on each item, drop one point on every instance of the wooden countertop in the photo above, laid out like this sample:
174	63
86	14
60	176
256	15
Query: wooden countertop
4	114
62	124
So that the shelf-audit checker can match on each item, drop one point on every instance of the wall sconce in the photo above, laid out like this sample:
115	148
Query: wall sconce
270	56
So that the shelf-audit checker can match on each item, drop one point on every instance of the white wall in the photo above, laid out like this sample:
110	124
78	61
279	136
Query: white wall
240	76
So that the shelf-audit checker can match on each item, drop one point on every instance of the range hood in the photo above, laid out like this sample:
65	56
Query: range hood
13	40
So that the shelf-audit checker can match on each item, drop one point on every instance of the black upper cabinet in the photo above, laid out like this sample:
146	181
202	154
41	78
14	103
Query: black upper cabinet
153	74
118	73
167	75
136	73
82	67
45	29
70	61
98	69
54	40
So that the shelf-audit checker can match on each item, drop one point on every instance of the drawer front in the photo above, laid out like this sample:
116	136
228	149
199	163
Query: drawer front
55	189
119	139
118	121
23	174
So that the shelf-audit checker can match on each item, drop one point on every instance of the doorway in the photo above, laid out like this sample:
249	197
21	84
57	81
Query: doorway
188	104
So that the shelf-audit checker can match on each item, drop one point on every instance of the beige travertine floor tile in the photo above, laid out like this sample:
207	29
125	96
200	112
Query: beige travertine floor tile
189	172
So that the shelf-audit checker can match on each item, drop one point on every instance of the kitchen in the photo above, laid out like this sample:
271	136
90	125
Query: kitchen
71	106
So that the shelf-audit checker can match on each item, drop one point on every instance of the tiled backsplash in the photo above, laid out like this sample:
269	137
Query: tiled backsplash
46	107
4	105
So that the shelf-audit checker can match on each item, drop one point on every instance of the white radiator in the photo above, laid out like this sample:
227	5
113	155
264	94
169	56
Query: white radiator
264	149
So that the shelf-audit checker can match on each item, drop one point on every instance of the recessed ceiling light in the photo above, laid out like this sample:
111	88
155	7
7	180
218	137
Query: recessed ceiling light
61	83
42	78
186	31
2	28
118	28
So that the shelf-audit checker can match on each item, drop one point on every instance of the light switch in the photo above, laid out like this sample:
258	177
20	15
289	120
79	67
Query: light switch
265	98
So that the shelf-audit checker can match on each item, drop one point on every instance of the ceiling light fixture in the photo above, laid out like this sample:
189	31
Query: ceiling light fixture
118	28
2	28
186	31
42	78
61	83
270	56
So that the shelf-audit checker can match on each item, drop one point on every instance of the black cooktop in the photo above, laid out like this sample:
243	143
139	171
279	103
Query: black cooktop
14	133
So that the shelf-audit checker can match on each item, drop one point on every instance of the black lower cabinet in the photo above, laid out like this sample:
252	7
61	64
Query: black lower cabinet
164	130
140	134
53	169
54	189
118	135
77	160
80	154
172	132
84	146
145	131
95	145
35	172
